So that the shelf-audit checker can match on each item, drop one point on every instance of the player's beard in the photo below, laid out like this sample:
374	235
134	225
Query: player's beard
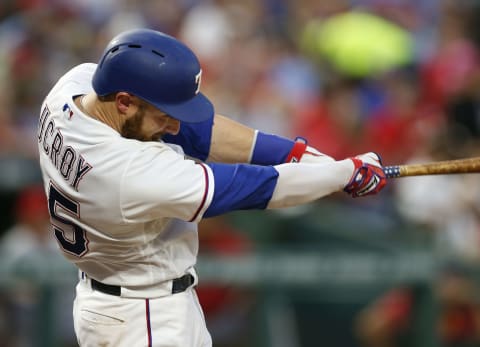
132	128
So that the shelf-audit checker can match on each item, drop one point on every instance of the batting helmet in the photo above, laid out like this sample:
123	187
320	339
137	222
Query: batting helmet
156	68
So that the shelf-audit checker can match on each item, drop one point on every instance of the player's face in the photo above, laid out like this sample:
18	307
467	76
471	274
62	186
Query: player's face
149	124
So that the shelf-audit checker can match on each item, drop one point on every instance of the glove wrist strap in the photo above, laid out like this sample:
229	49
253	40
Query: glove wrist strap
297	152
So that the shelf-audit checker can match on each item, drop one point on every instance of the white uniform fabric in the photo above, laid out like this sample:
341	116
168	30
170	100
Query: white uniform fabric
302	183
169	321
125	212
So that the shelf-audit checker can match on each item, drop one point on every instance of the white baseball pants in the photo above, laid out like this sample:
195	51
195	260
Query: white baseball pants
103	320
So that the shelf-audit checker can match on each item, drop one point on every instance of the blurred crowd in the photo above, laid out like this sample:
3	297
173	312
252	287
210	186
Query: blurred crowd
306	68
399	77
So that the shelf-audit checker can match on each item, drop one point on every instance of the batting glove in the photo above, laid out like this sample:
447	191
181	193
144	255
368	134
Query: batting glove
368	177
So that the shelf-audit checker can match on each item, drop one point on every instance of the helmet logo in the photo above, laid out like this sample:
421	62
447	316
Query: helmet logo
198	81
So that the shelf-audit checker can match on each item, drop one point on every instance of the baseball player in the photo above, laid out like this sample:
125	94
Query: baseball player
133	157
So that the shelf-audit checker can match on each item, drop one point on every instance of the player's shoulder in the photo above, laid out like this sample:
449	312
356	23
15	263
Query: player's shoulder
77	80
80	76
152	147
151	153
83	71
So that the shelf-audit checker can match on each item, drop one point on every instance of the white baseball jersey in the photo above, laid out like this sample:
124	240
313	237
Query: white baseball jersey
124	211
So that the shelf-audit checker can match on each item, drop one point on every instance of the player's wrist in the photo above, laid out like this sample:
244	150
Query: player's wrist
298	150
269	149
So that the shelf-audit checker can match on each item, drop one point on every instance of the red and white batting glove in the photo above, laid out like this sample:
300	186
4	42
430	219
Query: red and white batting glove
368	177
302	153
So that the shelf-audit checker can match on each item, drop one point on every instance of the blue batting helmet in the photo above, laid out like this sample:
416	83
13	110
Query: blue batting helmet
156	68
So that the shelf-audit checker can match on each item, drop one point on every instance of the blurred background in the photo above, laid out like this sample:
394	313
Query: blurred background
400	77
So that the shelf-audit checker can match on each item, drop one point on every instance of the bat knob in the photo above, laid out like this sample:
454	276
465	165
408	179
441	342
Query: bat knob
392	171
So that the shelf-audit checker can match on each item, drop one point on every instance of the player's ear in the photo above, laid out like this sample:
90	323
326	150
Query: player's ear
123	101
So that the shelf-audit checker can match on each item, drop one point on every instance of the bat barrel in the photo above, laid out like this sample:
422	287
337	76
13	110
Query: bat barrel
459	166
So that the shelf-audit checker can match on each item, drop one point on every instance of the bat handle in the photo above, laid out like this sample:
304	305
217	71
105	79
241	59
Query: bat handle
392	171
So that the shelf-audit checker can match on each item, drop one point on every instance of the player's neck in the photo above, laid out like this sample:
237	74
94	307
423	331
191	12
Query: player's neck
103	111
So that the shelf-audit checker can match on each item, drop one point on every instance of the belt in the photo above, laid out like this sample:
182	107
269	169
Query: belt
178	285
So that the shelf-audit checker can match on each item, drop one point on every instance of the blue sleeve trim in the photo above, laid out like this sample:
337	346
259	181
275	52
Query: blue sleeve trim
194	138
241	187
271	149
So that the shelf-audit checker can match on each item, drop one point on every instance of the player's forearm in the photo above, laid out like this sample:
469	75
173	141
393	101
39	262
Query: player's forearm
302	183
231	141
245	187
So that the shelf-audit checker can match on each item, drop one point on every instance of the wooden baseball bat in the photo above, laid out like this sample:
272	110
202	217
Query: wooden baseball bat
445	167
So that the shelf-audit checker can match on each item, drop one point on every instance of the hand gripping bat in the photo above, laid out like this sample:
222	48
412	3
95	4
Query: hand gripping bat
446	167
